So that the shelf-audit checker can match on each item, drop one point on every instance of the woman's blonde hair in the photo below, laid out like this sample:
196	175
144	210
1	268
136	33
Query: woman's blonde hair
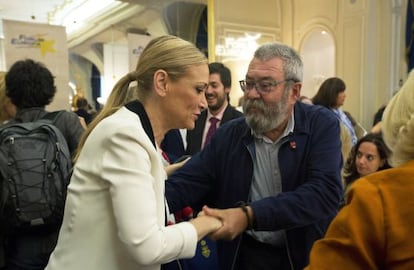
398	124
169	53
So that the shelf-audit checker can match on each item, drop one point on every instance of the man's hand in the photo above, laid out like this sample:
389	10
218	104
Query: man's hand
234	222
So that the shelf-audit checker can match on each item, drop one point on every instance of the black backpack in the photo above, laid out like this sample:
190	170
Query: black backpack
35	169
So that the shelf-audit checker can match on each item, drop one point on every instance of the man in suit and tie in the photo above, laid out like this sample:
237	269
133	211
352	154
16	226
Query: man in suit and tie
219	109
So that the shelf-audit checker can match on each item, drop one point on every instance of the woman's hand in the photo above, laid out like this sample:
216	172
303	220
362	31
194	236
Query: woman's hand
206	225
173	167
235	221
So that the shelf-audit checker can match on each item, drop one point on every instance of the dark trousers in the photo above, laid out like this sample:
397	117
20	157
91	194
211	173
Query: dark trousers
255	255
29	251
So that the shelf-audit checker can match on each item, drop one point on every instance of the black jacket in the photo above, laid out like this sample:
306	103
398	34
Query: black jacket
195	136
310	162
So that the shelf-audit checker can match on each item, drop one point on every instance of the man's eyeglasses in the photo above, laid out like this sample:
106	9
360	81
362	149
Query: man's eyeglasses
263	87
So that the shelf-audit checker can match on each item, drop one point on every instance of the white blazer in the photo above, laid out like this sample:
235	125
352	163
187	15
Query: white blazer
115	212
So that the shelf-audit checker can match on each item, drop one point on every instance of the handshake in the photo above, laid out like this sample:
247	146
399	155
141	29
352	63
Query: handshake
224	224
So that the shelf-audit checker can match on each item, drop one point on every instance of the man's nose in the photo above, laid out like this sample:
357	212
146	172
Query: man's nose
252	93
209	89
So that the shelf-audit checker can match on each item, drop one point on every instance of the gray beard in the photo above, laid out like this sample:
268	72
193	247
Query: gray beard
266	117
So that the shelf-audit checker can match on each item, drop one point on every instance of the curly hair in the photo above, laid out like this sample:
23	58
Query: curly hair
30	84
350	170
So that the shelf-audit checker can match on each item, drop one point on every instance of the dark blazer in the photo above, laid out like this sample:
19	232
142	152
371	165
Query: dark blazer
310	163
195	136
173	145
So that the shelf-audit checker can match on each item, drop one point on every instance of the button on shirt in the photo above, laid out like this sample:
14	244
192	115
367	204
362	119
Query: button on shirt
267	180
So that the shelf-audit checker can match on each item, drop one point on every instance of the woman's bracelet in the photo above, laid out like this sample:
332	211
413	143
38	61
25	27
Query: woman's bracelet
243	207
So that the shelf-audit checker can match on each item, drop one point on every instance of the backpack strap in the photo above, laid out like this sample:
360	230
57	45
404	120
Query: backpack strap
52	116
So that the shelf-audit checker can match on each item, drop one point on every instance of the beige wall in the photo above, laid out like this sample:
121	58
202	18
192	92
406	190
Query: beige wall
232	19
367	34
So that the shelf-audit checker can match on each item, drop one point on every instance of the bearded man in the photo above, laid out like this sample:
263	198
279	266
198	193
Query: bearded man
272	177
218	108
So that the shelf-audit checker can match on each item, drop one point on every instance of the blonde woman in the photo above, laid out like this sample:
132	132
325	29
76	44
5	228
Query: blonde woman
115	211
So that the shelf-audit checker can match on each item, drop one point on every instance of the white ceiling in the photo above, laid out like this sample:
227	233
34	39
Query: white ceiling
134	14
27	10
37	11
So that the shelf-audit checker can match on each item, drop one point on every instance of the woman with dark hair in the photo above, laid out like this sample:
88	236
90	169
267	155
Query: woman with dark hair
369	155
373	229
331	94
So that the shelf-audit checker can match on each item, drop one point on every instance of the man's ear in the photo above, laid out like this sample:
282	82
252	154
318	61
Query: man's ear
160	82
296	90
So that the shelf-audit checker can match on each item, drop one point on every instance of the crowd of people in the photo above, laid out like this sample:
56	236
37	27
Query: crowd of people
30	87
372	230
290	182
